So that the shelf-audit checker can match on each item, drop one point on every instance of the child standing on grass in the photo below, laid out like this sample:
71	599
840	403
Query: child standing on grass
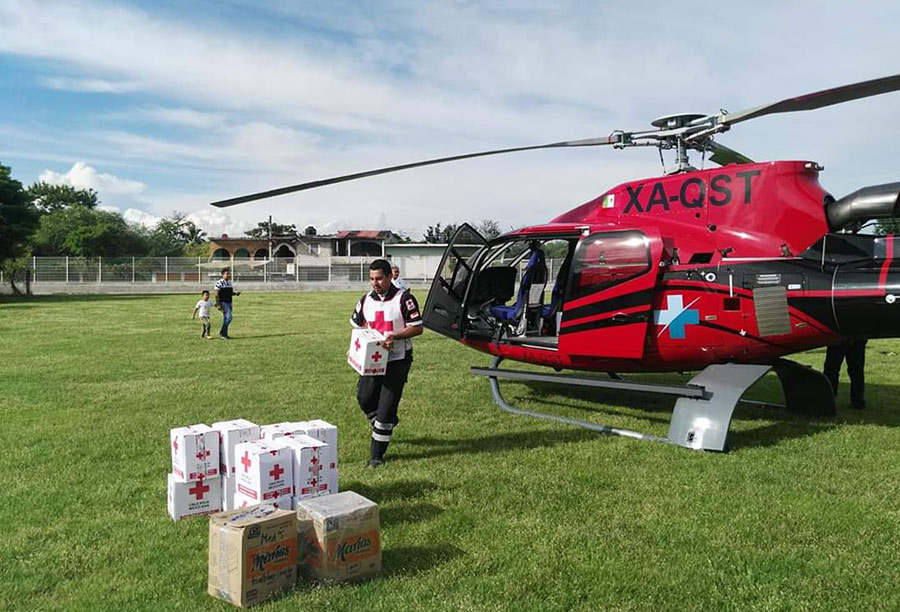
202	307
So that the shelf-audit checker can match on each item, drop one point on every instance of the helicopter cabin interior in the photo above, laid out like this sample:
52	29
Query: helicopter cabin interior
512	289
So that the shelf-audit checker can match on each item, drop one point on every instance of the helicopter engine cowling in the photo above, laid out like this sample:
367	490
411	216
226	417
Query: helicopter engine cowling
873	202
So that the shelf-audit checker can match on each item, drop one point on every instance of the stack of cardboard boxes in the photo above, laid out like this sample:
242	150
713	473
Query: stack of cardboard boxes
236	464
195	485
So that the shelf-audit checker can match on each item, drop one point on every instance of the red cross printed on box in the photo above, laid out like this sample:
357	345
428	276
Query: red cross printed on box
376	357
175	444
314	460
313	482
379	324
200	454
198	489
276	472
246	461
356	344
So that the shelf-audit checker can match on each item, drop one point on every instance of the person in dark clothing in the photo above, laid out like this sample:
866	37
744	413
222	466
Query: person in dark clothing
224	295
394	313
854	351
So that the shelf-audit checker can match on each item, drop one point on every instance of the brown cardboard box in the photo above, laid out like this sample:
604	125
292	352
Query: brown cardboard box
252	554
340	537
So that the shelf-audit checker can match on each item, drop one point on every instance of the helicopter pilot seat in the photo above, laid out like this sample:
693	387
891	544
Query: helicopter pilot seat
530	297
548	312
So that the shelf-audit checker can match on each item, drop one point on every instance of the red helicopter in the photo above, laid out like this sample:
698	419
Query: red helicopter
723	270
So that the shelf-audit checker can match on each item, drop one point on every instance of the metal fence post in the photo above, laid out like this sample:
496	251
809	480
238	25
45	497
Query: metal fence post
132	270
360	271
329	269
296	268
167	269
266	270
199	273
67	269
99	270
34	267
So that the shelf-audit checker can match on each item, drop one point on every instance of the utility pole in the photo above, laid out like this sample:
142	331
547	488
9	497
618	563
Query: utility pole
270	238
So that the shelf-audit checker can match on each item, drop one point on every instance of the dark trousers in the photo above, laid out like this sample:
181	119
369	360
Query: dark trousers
854	351
379	397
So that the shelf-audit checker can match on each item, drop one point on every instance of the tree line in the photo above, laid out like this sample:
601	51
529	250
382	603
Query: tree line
60	220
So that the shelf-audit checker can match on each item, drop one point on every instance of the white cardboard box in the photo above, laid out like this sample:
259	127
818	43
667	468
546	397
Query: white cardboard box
186	499
232	433
322	431
229	485
195	452
283	502
268	433
312	476
264	471
366	355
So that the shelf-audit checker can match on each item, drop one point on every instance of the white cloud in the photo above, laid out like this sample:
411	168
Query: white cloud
218	222
82	176
142	218
90	85
343	86
187	117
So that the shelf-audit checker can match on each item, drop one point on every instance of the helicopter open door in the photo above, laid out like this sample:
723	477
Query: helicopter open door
444	309
608	301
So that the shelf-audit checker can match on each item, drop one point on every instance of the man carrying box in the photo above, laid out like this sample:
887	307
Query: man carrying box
395	314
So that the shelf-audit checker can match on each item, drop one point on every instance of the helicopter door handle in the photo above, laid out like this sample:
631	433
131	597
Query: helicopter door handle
620	318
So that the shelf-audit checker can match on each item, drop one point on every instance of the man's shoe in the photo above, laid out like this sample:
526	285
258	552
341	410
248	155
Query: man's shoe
374	463
221	337
858	405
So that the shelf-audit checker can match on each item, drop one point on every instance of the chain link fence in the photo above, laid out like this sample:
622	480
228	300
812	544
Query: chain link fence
202	271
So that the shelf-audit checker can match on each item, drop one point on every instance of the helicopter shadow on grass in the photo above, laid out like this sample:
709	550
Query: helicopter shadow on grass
658	409
498	443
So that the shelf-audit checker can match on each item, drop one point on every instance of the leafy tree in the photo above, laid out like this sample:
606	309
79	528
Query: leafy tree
193	234
80	231
440	235
488	228
18	219
262	230
888	226
199	249
169	237
48	198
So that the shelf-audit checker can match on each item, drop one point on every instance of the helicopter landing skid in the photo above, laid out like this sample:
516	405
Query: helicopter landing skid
702	412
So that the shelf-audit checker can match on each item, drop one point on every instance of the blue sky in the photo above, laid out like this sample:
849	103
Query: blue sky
165	106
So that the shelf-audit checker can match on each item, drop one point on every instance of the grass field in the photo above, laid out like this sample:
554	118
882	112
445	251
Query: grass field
480	509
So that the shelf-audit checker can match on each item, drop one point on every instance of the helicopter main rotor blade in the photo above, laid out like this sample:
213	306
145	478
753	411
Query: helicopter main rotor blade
587	142
819	99
722	155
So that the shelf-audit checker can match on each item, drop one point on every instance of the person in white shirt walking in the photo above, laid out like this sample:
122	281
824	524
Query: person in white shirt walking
202	308
398	282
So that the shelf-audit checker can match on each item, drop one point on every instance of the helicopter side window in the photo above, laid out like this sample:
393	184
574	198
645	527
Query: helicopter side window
604	260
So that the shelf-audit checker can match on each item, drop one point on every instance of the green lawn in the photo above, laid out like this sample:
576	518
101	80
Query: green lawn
480	509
